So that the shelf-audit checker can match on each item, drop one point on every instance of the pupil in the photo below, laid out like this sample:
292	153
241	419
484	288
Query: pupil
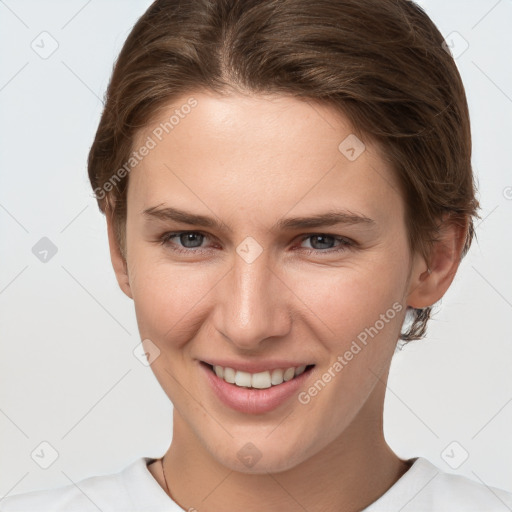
188	239
323	241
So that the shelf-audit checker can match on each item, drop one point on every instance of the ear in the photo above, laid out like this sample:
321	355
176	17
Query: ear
430	280
118	261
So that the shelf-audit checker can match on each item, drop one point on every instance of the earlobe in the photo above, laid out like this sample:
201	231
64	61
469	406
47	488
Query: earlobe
118	261
430	281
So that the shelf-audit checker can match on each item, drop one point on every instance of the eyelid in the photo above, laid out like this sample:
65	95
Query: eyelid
165	237
331	235
344	243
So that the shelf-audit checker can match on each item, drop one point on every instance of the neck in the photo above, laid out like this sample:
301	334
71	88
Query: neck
348	474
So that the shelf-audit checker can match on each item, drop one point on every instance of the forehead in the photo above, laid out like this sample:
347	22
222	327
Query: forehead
256	152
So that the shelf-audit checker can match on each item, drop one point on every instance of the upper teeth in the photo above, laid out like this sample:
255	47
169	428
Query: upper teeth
260	380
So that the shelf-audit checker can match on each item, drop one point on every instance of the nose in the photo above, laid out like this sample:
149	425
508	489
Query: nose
253	304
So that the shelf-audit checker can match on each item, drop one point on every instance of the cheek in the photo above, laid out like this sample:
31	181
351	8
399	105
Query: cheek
363	312
349	299
167	297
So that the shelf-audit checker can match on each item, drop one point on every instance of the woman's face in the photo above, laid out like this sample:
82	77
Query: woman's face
263	282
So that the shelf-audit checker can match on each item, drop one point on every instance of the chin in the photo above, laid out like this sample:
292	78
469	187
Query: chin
253	460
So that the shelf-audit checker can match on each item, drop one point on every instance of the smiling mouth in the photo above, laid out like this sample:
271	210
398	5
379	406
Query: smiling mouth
260	380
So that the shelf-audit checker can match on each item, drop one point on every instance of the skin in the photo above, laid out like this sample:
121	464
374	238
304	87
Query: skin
249	161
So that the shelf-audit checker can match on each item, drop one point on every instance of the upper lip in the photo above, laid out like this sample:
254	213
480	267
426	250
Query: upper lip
256	367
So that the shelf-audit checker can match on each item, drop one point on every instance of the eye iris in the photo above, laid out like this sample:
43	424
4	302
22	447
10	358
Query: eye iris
324	240
189	239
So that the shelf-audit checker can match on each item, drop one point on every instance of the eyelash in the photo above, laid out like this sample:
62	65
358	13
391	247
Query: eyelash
345	243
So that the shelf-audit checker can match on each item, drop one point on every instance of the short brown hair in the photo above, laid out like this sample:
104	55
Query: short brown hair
382	63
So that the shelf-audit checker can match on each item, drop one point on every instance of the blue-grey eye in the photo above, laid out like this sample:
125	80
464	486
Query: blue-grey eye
321	241
191	240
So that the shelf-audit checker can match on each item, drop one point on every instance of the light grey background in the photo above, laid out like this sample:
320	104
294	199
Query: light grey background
68	374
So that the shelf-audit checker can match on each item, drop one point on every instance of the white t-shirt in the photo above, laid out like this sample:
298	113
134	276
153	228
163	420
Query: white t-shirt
422	488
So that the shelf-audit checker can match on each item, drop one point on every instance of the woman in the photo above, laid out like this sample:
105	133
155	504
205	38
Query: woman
288	190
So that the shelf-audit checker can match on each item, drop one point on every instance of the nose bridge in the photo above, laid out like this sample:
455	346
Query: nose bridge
252	307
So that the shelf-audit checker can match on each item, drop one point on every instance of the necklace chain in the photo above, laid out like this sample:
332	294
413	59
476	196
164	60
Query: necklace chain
165	479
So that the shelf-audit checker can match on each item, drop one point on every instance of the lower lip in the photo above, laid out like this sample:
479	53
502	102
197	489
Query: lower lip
250	400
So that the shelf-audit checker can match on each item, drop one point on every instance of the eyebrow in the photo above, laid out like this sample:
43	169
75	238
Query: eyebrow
330	218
